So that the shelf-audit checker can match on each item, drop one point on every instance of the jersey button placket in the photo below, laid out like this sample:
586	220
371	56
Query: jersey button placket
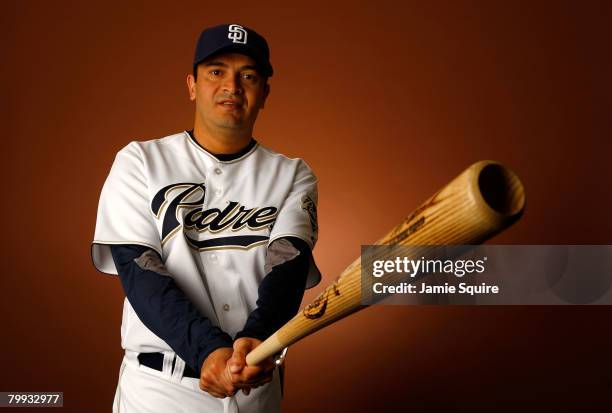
216	181
217	177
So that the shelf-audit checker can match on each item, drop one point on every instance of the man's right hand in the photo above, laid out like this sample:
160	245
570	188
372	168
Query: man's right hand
214	375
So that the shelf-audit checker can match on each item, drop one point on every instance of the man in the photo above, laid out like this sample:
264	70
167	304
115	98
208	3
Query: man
211	234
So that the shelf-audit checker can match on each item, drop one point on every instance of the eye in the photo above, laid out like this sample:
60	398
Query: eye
249	76
215	72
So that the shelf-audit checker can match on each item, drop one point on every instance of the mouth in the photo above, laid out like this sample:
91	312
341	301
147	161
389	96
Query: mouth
230	104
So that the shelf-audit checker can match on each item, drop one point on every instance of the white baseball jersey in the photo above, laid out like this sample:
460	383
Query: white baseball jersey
210	221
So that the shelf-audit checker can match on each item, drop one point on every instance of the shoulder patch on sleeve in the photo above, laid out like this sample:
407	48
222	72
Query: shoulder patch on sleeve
310	207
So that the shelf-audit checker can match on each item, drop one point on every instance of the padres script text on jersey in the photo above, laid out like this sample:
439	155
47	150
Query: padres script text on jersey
234	216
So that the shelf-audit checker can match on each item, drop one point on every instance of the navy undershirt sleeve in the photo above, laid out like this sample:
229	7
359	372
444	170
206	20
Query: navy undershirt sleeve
280	294
165	309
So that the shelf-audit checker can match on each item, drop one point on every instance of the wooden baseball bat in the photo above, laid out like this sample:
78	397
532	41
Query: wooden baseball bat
481	202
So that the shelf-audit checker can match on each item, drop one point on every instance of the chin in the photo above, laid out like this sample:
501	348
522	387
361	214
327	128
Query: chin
231	124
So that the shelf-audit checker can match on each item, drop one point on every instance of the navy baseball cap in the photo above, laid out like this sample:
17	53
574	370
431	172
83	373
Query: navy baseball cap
233	38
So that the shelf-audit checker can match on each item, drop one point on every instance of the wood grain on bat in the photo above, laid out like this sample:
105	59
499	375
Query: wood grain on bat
479	203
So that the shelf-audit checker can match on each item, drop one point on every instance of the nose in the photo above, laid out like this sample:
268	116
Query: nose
232	85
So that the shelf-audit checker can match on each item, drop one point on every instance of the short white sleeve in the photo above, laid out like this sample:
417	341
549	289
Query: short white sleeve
297	216
124	212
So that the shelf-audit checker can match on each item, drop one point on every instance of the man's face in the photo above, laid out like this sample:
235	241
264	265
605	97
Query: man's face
228	92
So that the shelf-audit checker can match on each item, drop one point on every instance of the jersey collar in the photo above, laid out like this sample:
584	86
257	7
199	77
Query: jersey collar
224	158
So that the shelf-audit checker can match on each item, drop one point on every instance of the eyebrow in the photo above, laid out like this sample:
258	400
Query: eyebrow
220	63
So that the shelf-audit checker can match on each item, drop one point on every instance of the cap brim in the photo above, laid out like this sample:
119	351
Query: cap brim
244	49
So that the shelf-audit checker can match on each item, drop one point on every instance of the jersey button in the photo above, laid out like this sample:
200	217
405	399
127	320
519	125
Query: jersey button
218	192
213	257
226	307
218	171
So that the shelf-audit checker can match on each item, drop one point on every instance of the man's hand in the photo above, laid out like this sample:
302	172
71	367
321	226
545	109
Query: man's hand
214	375
246	377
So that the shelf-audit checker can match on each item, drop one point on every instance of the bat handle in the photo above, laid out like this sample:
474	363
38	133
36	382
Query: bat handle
266	349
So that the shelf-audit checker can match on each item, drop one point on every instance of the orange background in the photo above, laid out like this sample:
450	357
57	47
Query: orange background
386	103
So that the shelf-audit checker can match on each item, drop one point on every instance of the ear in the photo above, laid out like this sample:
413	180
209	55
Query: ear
266	92
191	87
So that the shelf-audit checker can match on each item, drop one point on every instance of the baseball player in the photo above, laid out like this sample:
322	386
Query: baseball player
211	235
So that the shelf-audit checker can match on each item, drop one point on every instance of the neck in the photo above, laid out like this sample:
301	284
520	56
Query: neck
221	142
